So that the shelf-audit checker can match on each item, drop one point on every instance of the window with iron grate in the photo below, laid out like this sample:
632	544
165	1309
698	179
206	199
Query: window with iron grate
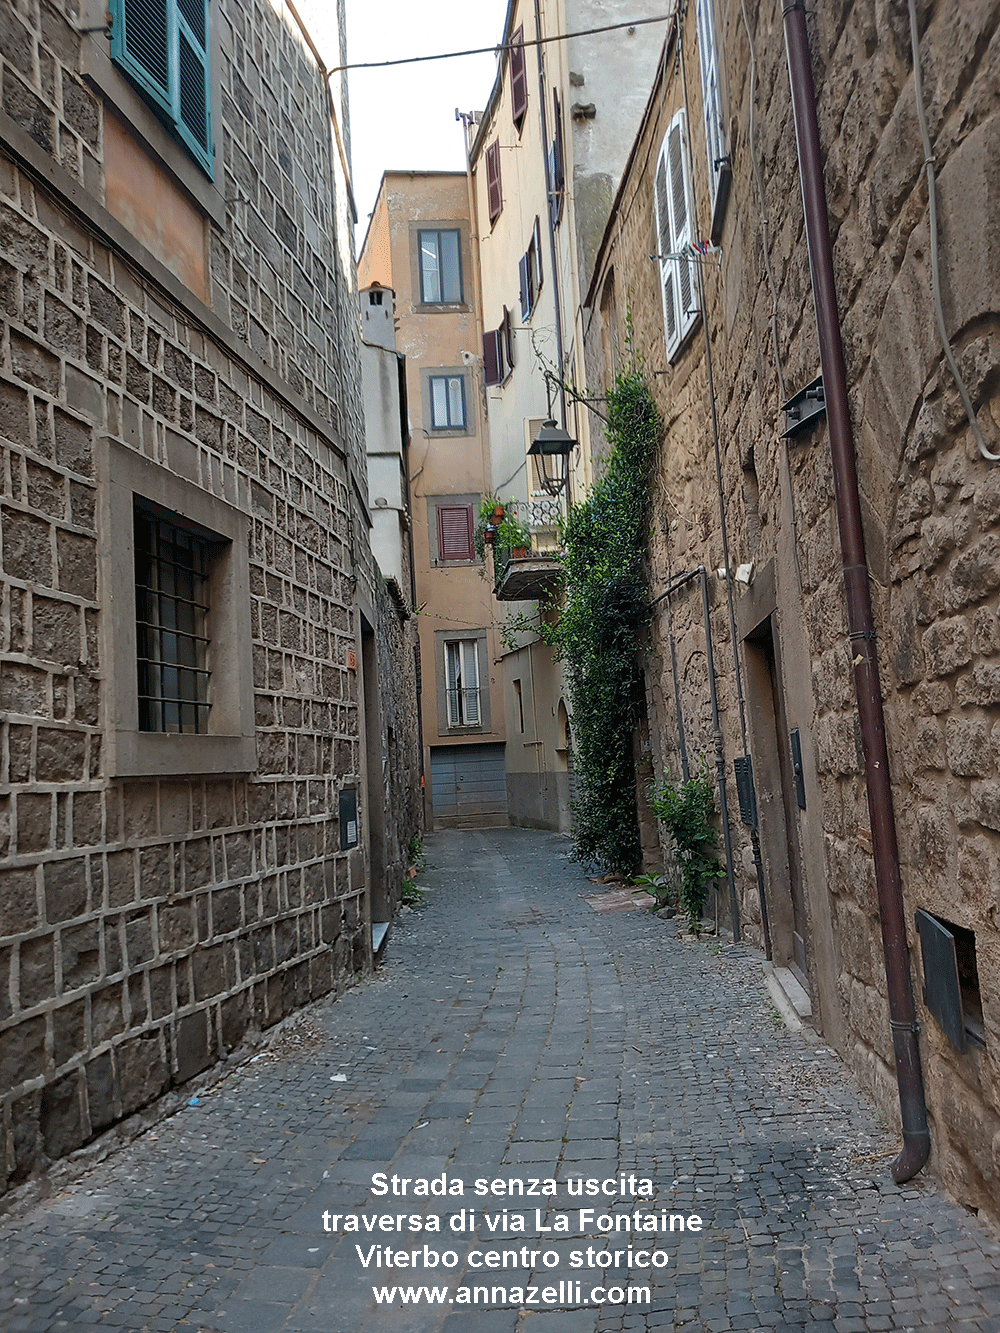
172	571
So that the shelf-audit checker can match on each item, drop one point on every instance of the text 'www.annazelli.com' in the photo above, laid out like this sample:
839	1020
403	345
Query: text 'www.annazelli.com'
566	1294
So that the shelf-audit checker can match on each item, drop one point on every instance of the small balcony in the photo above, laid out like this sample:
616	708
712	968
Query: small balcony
531	574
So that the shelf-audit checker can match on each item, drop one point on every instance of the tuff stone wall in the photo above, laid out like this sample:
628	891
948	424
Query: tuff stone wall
147	924
928	501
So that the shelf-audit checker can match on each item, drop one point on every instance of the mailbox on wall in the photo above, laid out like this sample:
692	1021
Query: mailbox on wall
348	818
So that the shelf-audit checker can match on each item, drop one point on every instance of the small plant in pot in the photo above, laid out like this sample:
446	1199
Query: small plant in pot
498	526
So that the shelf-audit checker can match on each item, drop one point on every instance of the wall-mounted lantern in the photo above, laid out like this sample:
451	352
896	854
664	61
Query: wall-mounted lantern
549	452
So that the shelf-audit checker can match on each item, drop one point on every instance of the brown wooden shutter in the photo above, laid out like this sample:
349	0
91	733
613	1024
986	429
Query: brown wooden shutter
506	343
557	165
518	78
538	255
455	532
491	357
524	280
494	186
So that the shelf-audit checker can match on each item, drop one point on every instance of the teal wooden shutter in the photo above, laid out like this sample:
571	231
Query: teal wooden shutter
194	95
140	43
163	46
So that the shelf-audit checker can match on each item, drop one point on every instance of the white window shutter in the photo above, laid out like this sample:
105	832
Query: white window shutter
665	243
674	222
453	675
679	197
711	97
470	681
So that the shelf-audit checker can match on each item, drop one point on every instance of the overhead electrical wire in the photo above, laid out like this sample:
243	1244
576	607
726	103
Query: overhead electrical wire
503	46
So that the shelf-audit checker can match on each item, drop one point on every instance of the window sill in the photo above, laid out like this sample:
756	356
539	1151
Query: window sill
113	85
154	754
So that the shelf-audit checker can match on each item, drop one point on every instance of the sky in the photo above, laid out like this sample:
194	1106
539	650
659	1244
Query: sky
405	116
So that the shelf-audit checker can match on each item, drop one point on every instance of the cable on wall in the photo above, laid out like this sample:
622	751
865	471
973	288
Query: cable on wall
918	88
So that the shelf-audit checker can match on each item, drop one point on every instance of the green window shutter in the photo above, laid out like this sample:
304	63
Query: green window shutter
163	47
194	94
140	43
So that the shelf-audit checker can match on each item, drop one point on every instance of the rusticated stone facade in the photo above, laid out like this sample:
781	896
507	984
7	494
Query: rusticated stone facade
932	520
160	895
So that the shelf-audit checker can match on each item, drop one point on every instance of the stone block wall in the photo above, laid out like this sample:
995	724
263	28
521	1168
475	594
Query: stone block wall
147	922
931	525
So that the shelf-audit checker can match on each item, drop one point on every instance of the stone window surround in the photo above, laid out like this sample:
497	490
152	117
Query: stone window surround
441	637
427	373
229	746
438	224
100	71
473	501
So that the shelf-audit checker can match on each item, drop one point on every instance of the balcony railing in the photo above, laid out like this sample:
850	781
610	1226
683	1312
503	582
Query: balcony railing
534	575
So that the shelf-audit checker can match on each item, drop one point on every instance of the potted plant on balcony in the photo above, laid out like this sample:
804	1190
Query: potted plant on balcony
512	537
497	525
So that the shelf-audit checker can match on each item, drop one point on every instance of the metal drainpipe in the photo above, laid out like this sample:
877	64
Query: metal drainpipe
861	622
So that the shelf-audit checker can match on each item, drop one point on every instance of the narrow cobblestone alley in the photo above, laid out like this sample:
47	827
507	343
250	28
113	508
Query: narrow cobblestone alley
513	1033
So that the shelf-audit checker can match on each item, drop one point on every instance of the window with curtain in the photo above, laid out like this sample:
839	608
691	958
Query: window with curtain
461	664
440	253
447	402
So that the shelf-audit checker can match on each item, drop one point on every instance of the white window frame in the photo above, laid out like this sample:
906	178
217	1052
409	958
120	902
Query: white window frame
461	666
719	170
673	210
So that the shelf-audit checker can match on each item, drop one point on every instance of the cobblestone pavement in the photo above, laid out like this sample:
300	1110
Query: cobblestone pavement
514	1034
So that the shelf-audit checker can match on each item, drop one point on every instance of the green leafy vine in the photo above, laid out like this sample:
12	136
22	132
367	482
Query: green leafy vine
596	634
687	811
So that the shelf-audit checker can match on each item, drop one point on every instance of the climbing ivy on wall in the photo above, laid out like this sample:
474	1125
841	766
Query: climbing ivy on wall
605	606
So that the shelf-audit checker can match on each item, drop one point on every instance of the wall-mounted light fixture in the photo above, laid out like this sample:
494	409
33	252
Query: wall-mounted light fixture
549	452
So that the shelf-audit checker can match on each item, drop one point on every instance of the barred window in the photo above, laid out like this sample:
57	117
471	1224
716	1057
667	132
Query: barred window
172	567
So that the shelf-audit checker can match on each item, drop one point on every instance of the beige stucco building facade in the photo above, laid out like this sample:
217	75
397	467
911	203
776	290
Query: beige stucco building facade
545	159
419	245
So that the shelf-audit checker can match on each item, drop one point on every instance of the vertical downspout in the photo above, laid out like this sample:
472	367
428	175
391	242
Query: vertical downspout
861	622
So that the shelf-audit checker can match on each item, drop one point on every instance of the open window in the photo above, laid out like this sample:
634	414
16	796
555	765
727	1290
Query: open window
530	272
951	979
461	660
